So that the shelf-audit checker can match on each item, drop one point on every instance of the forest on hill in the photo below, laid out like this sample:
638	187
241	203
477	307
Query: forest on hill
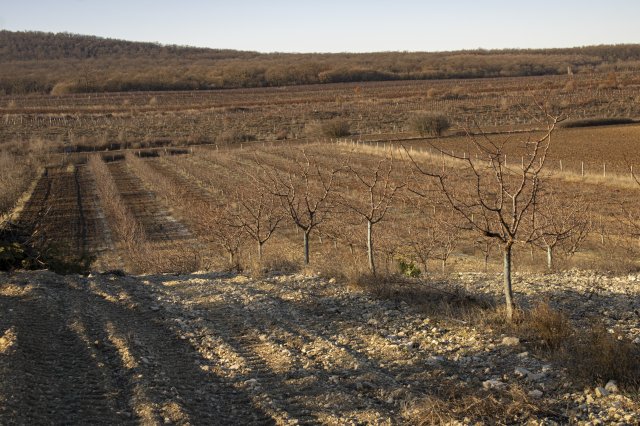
38	62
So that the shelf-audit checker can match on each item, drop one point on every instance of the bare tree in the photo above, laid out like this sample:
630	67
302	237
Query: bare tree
304	194
496	200
445	237
485	245
433	238
378	190
421	244
561	222
259	215
216	224
628	217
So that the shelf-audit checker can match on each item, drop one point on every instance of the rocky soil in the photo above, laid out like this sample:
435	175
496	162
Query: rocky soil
292	349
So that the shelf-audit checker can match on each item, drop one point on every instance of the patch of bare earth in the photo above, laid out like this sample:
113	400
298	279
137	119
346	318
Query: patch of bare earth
210	349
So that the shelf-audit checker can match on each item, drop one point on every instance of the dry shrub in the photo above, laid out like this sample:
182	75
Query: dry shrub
379	285
425	123
431	298
548	327
280	265
63	88
128	230
596	355
271	265
235	136
592	354
19	164
597	121
336	128
14	179
468	406
175	258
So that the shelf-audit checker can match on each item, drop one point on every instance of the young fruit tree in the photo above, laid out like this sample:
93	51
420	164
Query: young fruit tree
217	226
434	237
563	223
371	198
304	192
628	217
497	200
258	215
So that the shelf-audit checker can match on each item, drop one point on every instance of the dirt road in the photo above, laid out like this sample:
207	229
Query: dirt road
209	349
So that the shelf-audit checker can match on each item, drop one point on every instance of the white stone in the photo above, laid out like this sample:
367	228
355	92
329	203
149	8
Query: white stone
511	341
493	384
611	386
435	360
410	345
535	393
535	377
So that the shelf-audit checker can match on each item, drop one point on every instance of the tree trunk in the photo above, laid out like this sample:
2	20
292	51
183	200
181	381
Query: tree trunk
260	250
372	265
306	247
549	258
508	292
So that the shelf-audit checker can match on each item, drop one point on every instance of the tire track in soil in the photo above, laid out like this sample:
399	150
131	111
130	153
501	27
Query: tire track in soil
64	210
206	173
52	379
92	352
246	331
158	224
191	190
294	321
98	235
246	348
35	208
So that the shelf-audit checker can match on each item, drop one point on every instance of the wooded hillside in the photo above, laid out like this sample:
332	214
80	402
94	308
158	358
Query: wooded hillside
37	62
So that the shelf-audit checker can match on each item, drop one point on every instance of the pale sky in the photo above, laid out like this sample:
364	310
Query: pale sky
336	26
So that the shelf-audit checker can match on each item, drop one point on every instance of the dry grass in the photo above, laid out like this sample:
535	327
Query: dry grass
548	328
125	226
596	356
459	404
20	162
592	354
166	258
432	298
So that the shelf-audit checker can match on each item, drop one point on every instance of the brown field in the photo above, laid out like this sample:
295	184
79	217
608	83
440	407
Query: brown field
93	121
227	131
163	194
